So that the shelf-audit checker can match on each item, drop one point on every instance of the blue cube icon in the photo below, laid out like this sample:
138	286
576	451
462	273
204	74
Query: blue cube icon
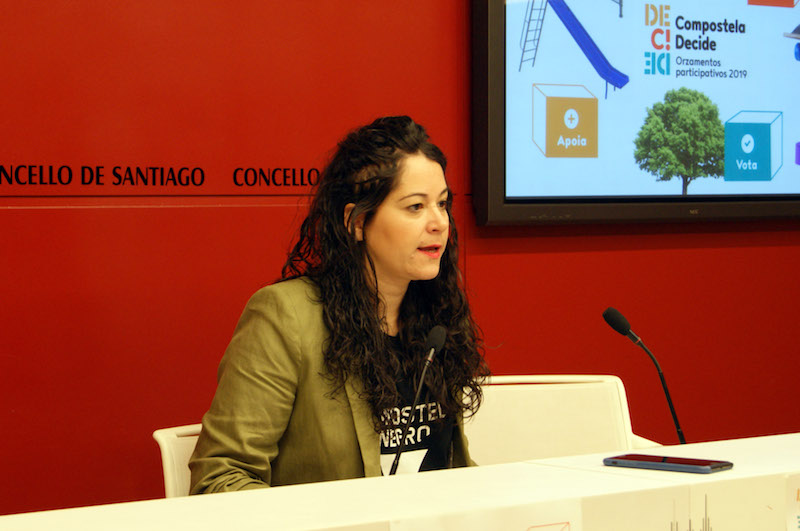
753	146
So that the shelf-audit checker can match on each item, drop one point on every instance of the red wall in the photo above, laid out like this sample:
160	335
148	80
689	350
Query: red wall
116	310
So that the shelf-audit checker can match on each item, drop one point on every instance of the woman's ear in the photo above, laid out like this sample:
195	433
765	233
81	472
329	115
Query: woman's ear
359	222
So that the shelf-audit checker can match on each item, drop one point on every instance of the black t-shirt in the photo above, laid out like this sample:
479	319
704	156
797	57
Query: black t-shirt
429	437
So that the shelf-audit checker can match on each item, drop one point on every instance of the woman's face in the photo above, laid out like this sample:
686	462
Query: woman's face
408	233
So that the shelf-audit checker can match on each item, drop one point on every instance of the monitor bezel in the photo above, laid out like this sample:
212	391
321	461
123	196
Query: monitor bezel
488	160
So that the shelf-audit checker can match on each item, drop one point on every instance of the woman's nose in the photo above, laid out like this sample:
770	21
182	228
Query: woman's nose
439	220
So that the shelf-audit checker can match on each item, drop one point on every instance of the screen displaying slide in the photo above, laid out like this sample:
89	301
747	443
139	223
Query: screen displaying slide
606	98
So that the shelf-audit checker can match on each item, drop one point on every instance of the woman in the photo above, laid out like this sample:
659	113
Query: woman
320	374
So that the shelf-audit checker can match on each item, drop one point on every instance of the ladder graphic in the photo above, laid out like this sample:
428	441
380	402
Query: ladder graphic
531	31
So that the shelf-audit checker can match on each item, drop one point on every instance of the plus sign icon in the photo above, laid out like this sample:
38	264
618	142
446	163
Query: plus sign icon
571	118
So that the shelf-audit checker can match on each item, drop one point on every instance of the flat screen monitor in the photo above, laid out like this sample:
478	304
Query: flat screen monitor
604	110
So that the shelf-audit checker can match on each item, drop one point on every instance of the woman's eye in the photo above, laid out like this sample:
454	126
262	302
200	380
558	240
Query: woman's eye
443	204
415	207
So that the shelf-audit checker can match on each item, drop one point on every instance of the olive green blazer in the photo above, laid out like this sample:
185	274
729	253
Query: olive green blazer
275	419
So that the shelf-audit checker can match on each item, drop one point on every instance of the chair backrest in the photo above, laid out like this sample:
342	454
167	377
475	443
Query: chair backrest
177	445
539	416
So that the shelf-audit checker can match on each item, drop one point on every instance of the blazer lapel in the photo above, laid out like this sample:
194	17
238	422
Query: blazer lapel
368	439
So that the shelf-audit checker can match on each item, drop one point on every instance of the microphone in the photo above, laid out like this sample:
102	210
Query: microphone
618	322
433	343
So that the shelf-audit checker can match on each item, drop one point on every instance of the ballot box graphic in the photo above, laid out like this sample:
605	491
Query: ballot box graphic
753	146
564	120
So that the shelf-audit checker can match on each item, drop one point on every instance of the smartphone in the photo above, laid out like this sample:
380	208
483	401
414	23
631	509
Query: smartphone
676	464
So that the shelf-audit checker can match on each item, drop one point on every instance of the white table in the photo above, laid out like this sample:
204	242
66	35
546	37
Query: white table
761	492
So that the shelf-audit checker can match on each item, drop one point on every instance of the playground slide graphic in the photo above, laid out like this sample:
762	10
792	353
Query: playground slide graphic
535	13
588	46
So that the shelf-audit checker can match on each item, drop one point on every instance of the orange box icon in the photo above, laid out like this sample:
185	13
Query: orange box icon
773	3
565	121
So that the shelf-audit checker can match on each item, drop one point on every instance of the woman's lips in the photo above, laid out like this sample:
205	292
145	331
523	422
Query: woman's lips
433	251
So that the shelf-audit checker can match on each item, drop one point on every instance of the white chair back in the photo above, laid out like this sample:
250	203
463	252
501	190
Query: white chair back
539	416
521	418
177	445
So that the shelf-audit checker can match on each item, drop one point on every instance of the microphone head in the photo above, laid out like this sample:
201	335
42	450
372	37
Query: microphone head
617	321
435	339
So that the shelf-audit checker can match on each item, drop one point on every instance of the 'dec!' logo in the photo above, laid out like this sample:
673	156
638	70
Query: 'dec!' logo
658	61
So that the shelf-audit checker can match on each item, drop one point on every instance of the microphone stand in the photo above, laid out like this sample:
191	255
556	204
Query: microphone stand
402	445
637	340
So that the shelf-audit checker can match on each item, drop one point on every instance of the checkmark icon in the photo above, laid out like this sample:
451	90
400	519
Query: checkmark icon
748	143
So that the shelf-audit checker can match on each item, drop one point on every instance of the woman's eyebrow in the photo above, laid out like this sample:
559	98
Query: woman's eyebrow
422	194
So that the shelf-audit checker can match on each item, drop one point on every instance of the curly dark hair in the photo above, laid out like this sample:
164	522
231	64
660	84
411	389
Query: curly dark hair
363	171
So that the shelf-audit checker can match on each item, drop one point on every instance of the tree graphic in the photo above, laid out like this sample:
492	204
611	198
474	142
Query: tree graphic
682	137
